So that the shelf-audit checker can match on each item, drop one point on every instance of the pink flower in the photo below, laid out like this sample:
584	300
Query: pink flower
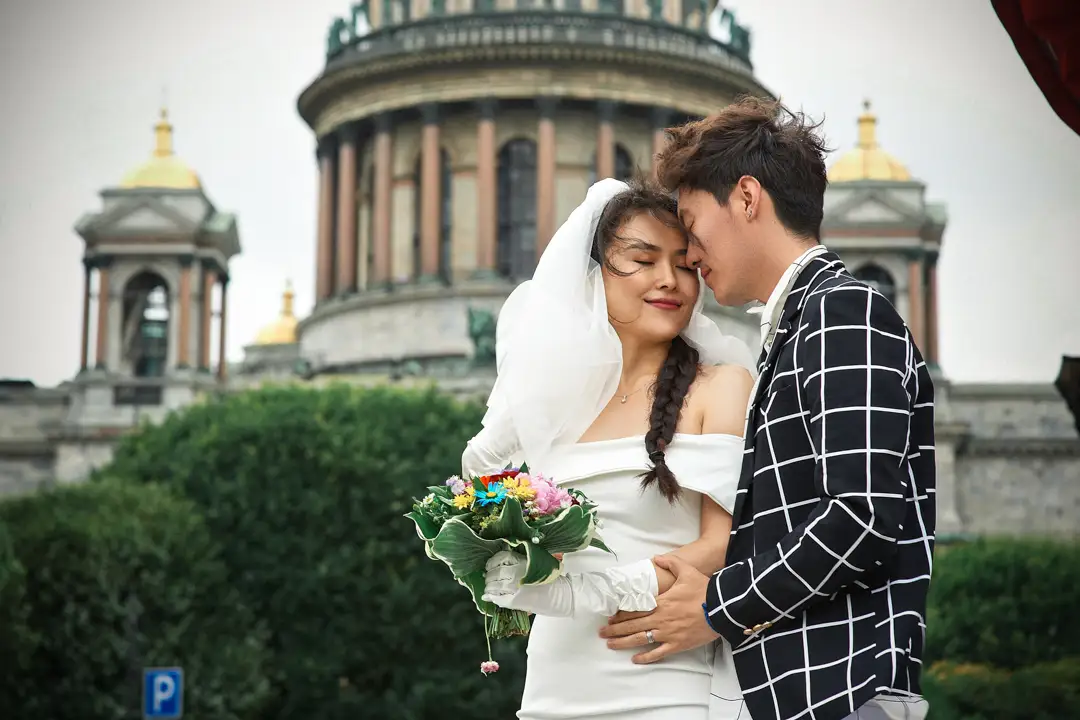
489	666
549	497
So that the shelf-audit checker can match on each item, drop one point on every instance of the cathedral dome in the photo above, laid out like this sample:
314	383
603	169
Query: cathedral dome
163	170
867	161
283	330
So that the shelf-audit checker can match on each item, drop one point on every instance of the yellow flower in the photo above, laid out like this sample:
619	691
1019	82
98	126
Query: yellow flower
470	490
519	488
461	502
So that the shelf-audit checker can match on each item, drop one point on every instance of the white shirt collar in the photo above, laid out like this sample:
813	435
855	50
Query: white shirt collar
775	305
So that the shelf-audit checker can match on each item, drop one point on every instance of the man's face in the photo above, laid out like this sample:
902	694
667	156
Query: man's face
718	245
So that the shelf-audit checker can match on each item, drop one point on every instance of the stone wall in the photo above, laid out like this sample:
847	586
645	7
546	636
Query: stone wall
1018	468
27	414
1018	495
1012	410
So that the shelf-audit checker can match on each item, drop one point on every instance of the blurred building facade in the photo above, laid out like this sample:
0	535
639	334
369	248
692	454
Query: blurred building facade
452	140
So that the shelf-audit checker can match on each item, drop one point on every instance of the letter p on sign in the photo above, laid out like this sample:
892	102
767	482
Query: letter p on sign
163	693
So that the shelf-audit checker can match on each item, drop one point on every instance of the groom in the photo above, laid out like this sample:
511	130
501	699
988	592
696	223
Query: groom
823	596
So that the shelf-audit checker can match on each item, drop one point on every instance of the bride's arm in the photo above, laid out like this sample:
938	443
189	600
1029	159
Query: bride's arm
723	396
634	587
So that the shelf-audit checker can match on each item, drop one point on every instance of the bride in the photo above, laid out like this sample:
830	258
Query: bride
612	380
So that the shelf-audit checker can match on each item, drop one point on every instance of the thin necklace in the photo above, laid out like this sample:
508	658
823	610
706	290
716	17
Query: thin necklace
623	398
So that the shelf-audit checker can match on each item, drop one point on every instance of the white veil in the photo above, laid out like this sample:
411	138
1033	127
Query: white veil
558	358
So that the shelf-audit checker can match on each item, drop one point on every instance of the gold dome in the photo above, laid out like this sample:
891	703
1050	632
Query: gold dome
867	161
283	330
163	170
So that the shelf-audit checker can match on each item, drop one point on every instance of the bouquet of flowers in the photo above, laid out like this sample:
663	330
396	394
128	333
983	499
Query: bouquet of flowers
465	522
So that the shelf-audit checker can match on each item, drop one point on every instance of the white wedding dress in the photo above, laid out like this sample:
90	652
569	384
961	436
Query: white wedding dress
571	671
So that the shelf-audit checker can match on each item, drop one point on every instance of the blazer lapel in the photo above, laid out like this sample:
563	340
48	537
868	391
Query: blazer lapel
767	368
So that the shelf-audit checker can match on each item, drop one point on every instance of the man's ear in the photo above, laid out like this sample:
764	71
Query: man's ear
747	196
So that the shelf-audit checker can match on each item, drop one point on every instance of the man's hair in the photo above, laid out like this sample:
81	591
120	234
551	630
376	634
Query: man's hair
753	136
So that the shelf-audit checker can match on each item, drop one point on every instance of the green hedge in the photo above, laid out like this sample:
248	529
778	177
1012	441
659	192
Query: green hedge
16	640
1007	603
116	579
964	691
306	490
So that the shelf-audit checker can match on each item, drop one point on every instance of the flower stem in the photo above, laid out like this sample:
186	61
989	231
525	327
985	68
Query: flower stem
487	636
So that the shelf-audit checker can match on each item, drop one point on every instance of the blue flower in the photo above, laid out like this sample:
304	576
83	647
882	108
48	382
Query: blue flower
494	495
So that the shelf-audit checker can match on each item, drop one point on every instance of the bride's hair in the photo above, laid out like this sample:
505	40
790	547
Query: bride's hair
681	365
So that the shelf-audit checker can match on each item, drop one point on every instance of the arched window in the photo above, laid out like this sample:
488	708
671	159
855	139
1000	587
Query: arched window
878	278
517	208
614	7
146	325
446	207
624	165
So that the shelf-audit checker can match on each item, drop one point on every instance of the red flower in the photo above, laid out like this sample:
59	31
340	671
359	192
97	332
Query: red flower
486	480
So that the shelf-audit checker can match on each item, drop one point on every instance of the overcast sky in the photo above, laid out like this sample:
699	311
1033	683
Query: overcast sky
81	84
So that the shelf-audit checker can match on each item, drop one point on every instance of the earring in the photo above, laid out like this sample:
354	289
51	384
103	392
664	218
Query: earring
749	213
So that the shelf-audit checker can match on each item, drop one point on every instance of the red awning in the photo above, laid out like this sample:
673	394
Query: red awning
1046	34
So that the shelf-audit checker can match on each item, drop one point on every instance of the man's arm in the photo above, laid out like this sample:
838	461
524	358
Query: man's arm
854	365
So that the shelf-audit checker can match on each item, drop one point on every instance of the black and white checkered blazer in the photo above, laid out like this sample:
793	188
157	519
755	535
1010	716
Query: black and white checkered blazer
823	597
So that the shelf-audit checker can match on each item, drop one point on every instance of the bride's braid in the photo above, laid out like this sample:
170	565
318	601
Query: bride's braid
672	384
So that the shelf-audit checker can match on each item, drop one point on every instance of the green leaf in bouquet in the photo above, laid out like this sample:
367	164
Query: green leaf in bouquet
425	526
599	545
542	567
462	549
569	531
474	581
510	524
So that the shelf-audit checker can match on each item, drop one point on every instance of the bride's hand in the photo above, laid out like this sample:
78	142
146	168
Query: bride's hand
502	578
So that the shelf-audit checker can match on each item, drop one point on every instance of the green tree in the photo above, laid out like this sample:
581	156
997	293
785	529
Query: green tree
117	579
1009	603
306	491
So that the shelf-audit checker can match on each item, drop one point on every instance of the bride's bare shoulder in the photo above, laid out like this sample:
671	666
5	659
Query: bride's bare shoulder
720	393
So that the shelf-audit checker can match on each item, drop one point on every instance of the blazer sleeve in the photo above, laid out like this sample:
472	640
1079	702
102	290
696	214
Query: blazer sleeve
855	366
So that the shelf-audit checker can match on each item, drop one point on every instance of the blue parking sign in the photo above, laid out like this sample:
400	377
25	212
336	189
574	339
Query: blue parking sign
163	693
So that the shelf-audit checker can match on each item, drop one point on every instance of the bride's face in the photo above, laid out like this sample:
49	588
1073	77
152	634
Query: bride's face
653	292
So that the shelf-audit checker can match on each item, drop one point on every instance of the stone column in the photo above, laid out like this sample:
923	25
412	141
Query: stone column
545	174
383	198
947	490
915	301
103	305
661	118
605	139
84	347
932	349
430	193
324	263
346	218
207	321
222	368
487	212
183	358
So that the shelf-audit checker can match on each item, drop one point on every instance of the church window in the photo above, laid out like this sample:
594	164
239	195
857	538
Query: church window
517	208
146	325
